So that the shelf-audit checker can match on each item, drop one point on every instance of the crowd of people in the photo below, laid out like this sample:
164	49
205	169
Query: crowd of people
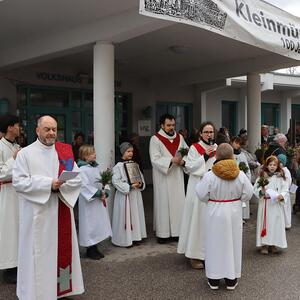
41	183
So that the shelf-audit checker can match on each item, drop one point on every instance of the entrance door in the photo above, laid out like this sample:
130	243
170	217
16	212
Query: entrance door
63	119
229	116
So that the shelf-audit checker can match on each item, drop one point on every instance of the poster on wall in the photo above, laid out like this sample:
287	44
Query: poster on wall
254	22
144	127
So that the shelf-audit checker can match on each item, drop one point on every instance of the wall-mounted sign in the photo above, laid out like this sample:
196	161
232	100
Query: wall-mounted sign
144	127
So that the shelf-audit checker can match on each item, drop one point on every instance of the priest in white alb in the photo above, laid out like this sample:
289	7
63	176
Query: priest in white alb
224	189
49	263
168	182
9	204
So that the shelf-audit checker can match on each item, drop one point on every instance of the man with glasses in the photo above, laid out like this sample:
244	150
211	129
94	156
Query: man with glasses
168	182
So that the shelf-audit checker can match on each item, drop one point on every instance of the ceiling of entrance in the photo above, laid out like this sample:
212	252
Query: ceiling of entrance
148	52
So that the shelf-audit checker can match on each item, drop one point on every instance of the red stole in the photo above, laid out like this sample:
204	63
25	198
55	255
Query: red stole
201	150
64	253
172	147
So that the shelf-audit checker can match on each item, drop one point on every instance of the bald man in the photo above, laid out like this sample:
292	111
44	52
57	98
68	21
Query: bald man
49	263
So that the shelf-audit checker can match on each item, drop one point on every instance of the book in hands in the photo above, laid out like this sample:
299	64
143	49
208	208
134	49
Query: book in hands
67	175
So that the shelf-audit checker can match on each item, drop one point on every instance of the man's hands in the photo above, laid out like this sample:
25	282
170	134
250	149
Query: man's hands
56	184
177	160
209	150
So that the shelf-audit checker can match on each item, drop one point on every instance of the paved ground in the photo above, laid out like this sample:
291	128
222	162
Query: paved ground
152	271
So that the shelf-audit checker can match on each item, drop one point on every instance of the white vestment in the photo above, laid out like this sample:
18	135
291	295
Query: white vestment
287	207
275	223
128	222
242	158
34	169
223	231
192	230
9	208
168	188
94	223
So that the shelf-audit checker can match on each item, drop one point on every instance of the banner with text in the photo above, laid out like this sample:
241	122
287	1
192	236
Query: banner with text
254	22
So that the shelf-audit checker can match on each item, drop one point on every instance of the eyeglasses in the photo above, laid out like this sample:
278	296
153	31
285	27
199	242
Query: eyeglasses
207	132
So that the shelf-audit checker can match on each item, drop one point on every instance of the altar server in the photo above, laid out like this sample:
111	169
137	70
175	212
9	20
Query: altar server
128	225
168	182
224	189
199	160
9	204
94	223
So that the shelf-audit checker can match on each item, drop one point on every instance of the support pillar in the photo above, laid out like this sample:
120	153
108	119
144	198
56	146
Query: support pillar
104	110
253	111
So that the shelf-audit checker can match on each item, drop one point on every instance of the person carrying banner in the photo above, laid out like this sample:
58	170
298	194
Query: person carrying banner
168	181
49	264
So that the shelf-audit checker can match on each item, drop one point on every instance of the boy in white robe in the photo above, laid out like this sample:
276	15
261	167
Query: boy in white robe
94	223
168	180
49	264
199	160
128	222
224	188
9	205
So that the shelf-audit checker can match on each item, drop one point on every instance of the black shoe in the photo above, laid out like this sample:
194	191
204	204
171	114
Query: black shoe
231	283
93	253
174	238
10	276
136	243
213	283
162	240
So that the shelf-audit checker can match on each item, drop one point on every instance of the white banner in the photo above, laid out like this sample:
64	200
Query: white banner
254	22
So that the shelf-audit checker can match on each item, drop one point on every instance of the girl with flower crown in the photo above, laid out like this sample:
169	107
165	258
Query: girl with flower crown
271	188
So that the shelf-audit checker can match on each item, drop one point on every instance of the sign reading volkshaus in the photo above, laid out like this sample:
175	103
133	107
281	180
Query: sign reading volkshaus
254	22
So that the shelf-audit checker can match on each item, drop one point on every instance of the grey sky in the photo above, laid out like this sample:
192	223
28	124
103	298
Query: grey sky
291	6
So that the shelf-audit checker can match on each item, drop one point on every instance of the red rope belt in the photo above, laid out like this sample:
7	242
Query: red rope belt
230	200
4	182
127	199
264	228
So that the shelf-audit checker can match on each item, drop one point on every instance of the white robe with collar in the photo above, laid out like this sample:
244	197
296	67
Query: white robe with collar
192	231
168	188
275	214
9	208
128	209
246	205
94	223
34	169
224	228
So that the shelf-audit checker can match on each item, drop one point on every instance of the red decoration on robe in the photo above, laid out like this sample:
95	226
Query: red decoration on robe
201	150
171	146
64	253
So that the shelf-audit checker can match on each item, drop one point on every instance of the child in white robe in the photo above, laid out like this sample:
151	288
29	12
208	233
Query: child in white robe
94	223
224	189
272	195
128	224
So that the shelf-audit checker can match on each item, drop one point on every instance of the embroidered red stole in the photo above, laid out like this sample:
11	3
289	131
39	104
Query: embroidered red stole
201	150
64	253
172	147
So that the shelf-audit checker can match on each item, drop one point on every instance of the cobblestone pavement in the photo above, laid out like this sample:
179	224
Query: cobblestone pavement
154	271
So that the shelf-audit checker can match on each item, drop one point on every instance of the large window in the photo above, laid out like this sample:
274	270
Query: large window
181	111
3	106
270	115
229	116
73	109
296	112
